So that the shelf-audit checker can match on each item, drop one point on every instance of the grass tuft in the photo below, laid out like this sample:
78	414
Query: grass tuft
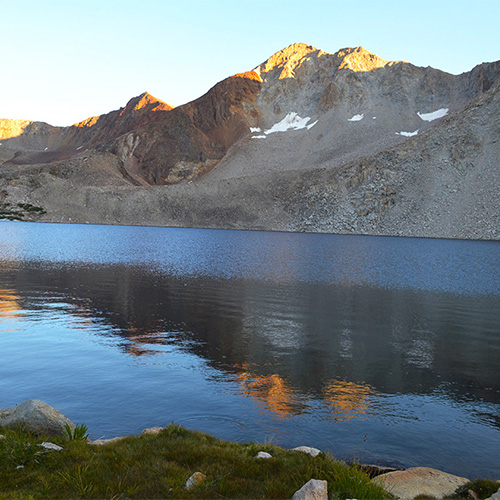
484	488
80	432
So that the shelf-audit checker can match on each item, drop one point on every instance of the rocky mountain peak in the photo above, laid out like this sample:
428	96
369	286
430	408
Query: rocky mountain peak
359	59
283	63
141	105
300	58
12	128
147	102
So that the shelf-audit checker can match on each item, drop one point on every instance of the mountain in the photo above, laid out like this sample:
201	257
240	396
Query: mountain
307	141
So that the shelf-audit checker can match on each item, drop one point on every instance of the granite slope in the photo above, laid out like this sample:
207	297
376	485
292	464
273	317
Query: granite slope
307	141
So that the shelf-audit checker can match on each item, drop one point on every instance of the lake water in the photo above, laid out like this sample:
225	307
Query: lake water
385	350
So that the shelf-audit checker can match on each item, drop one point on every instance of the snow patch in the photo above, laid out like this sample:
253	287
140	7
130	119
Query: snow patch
291	121
356	118
428	117
408	134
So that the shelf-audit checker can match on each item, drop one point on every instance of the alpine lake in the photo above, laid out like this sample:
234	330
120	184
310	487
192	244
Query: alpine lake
377	349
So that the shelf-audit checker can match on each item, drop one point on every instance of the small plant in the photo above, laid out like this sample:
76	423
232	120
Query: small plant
79	433
484	488
77	480
18	448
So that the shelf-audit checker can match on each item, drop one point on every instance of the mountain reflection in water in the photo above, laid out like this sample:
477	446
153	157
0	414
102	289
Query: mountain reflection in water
361	358
9	306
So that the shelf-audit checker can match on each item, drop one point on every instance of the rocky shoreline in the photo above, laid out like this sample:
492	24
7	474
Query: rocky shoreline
422	482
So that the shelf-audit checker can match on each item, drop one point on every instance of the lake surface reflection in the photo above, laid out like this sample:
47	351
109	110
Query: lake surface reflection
385	350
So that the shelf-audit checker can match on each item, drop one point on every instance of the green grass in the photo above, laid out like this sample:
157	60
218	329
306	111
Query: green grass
484	488
157	466
79	432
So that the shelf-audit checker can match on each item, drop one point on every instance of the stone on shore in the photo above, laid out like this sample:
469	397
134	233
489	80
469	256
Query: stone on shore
37	417
151	430
315	489
195	479
314	452
407	484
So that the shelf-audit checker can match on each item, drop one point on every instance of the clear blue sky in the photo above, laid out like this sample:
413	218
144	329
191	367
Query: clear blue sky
66	60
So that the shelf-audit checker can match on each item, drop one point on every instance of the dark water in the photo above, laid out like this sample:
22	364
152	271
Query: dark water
385	350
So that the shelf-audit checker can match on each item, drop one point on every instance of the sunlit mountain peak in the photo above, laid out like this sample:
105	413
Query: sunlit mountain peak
146	100
359	59
287	60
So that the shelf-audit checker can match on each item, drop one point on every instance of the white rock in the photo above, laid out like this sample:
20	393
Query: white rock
51	446
314	452
195	479
315	489
263	454
152	430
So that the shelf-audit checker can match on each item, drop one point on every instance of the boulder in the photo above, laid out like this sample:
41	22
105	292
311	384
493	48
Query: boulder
36	416
315	489
195	479
314	452
151	430
263	454
407	484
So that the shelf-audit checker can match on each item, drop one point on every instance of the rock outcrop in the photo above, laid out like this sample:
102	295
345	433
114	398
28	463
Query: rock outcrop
410	483
36	416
